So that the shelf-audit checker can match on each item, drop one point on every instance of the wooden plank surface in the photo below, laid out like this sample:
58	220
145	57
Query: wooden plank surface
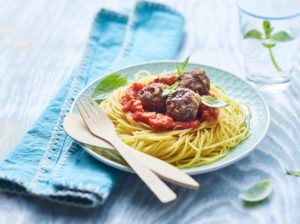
42	41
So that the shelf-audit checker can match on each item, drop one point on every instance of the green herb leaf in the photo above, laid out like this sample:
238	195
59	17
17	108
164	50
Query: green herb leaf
267	28
107	85
168	90
268	45
213	102
178	70
253	34
258	192
293	172
281	36
185	63
183	66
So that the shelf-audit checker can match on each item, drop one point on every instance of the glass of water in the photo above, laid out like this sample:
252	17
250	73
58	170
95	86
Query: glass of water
270	31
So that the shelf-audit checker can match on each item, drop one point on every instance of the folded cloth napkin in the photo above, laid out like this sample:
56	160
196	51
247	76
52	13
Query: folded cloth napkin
49	164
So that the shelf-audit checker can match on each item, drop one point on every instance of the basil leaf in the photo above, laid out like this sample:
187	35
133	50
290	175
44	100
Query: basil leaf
292	172
168	90
253	34
107	85
268	45
267	28
258	192
183	66
213	102
281	36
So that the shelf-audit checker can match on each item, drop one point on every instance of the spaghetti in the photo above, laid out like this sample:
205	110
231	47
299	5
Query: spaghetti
186	148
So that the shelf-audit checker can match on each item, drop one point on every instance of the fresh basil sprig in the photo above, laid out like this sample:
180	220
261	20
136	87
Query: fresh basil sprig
293	172
213	102
168	90
107	85
280	36
258	192
183	66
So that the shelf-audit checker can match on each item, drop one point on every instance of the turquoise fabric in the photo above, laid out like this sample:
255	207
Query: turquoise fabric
46	162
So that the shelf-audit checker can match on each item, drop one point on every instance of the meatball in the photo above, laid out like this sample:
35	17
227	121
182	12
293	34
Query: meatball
183	104
195	80
151	97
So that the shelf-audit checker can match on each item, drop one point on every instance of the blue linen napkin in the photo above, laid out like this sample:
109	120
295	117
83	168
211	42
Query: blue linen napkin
49	164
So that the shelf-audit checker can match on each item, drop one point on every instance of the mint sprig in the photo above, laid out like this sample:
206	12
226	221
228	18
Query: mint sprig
168	90
280	36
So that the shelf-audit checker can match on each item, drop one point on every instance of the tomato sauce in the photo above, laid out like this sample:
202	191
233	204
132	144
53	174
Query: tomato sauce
160	121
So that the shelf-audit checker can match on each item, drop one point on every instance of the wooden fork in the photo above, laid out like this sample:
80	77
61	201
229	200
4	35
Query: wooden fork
101	126
75	127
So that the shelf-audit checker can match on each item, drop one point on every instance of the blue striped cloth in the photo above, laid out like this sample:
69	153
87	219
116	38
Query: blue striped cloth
49	164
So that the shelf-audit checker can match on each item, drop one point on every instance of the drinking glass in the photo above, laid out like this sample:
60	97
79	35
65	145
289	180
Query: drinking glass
270	31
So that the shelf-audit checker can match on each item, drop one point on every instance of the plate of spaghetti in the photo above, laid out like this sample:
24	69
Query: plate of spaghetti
195	117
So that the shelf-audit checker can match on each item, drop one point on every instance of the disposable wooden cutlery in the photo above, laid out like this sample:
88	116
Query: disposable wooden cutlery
101	126
75	127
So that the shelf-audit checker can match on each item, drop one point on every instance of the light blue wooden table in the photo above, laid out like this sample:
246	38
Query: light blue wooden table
42	41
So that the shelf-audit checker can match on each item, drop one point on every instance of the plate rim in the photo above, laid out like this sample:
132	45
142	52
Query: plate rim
190	171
